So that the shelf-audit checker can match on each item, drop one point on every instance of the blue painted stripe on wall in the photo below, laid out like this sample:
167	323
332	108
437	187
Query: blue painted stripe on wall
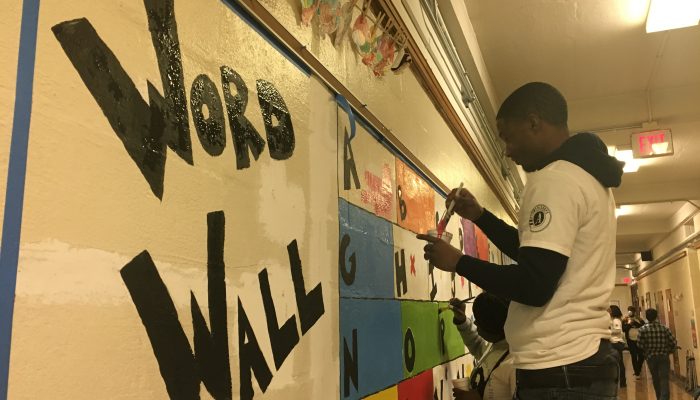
14	196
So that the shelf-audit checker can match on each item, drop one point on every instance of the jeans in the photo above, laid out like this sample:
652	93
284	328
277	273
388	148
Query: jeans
660	366
603	389
637	357
620	347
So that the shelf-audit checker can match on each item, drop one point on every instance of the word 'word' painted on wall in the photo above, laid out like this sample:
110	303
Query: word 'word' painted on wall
146	129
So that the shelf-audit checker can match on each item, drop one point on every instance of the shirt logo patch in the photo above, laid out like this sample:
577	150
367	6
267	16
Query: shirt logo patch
539	218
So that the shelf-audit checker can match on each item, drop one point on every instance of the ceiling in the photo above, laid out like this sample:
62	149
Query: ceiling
616	78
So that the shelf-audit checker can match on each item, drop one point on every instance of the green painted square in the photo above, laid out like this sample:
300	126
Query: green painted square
423	352
454	346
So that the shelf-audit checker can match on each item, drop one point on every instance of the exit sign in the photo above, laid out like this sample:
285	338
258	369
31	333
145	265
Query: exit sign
652	144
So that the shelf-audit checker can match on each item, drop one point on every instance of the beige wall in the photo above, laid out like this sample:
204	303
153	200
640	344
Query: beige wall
621	296
677	277
89	211
400	103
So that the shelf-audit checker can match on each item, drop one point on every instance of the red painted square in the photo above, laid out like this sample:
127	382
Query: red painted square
420	387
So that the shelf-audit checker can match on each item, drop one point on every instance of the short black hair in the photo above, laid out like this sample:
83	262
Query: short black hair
651	314
632	308
490	312
615	311
539	98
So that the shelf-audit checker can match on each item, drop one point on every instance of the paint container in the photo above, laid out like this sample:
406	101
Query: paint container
446	236
461	384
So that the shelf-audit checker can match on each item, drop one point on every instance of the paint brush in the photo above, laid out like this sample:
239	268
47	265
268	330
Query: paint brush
442	225
451	306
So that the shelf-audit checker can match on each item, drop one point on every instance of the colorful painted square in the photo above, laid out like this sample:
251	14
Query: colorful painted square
370	346
415	200
419	387
365	254
421	336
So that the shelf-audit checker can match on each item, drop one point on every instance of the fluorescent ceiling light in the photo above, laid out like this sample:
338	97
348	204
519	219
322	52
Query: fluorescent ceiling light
672	14
622	210
631	165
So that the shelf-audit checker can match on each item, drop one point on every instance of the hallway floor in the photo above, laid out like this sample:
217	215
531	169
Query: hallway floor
643	389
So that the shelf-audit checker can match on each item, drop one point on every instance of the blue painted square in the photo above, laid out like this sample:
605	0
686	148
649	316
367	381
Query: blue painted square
378	338
366	241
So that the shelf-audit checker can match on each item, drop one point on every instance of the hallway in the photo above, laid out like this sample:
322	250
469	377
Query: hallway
643	389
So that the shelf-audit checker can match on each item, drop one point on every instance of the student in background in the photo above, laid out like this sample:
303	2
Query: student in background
493	376
617	339
631	325
657	342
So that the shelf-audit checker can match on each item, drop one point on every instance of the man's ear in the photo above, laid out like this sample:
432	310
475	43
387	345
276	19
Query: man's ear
534	122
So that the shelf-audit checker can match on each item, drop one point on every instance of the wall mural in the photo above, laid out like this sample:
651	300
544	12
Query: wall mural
206	274
395	341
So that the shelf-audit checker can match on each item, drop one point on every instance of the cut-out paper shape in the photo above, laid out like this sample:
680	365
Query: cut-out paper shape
361	32
345	21
384	54
329	16
374	34
308	10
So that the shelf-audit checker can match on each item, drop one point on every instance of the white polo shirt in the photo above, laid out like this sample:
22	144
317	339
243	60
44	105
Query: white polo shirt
566	210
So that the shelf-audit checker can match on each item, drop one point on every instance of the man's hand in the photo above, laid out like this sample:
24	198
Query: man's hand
466	205
440	254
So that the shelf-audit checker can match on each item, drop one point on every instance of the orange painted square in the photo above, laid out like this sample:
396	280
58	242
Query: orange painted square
418	198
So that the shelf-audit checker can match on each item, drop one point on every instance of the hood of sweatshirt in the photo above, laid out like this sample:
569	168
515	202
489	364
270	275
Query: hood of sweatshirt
589	152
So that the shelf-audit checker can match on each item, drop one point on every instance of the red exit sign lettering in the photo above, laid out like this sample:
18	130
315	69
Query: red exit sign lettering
652	144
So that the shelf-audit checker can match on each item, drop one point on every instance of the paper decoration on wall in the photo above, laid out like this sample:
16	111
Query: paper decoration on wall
384	54
308	11
377	44
361	32
329	13
345	21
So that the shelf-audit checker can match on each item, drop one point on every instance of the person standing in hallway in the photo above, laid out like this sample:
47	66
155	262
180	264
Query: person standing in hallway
630	326
617	339
657	342
557	326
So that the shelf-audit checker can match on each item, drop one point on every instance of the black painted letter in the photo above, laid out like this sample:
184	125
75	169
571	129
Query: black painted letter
210	128
284	339
244	134
251	357
350	364
409	350
348	276
349	167
310	306
280	137
401	279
